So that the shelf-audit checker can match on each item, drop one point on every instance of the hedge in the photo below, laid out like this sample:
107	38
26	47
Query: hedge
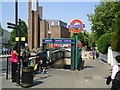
104	42
115	41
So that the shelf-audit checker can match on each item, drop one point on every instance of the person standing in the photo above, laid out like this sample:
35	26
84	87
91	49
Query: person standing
14	61
25	57
93	54
115	79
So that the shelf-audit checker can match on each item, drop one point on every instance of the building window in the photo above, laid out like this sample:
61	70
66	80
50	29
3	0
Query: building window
49	35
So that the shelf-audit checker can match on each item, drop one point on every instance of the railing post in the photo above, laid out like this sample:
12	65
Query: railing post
7	69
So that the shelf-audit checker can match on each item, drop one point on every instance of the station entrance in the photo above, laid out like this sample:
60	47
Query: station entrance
75	59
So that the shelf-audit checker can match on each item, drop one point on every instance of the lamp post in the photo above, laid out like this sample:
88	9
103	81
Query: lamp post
17	28
16	15
18	64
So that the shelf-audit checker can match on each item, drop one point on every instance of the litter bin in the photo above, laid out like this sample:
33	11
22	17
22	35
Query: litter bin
27	77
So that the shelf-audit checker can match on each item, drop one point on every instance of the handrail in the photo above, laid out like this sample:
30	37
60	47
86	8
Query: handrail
6	56
9	56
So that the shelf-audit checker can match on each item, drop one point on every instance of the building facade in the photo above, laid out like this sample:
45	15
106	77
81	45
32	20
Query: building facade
4	38
39	29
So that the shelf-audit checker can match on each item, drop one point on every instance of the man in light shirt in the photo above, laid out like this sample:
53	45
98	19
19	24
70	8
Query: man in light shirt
116	68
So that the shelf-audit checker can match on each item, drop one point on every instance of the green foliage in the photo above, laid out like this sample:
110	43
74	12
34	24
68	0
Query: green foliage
93	40
84	37
80	36
12	37
23	32
115	41
104	16
116	24
104	42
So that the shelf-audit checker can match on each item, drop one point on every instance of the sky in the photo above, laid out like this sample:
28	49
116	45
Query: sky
64	11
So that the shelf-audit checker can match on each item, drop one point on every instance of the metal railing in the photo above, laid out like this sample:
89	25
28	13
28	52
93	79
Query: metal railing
56	54
103	57
8	57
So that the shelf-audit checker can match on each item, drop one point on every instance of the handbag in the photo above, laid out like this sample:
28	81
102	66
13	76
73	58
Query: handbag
108	80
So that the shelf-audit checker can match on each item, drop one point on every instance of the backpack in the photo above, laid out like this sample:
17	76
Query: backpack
117	76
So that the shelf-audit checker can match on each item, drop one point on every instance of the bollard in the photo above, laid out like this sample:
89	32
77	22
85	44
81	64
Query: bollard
27	77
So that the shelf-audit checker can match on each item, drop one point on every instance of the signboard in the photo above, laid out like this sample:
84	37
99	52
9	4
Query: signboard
61	45
76	28
22	38
58	40
66	45
79	44
47	41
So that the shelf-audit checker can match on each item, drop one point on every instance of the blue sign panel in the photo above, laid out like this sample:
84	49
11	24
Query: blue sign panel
68	40
58	40
47	40
76	26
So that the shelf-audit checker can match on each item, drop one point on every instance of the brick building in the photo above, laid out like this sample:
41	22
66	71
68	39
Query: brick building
39	28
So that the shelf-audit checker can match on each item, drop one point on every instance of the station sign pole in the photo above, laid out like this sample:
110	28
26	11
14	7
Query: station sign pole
76	29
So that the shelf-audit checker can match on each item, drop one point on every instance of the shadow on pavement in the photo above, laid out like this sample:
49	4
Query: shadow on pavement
41	78
88	67
37	83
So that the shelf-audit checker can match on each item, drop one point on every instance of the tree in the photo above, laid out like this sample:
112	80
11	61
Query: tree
93	40
84	37
23	32
103	18
115	39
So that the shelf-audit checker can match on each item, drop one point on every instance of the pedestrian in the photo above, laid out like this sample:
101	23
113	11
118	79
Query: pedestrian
2	52
41	62
93	54
97	54
89	55
14	61
115	79
38	62
25	57
45	55
35	50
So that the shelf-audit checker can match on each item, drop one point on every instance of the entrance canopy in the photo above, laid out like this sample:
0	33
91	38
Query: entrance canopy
75	57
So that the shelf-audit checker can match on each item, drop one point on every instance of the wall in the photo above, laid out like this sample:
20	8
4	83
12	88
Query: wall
55	32
65	32
111	56
43	30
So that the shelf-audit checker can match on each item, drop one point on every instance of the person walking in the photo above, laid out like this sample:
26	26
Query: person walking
14	61
93	54
115	78
25	57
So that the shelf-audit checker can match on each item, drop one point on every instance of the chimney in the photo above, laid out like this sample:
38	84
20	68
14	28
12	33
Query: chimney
40	12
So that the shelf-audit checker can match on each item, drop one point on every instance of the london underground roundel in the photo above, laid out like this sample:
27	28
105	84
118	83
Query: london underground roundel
76	28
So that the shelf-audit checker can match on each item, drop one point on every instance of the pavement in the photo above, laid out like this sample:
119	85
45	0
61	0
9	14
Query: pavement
92	76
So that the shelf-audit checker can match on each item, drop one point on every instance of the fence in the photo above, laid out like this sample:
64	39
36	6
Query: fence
57	54
8	65
103	57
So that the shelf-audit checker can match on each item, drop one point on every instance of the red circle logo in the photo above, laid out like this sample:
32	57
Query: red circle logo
76	21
